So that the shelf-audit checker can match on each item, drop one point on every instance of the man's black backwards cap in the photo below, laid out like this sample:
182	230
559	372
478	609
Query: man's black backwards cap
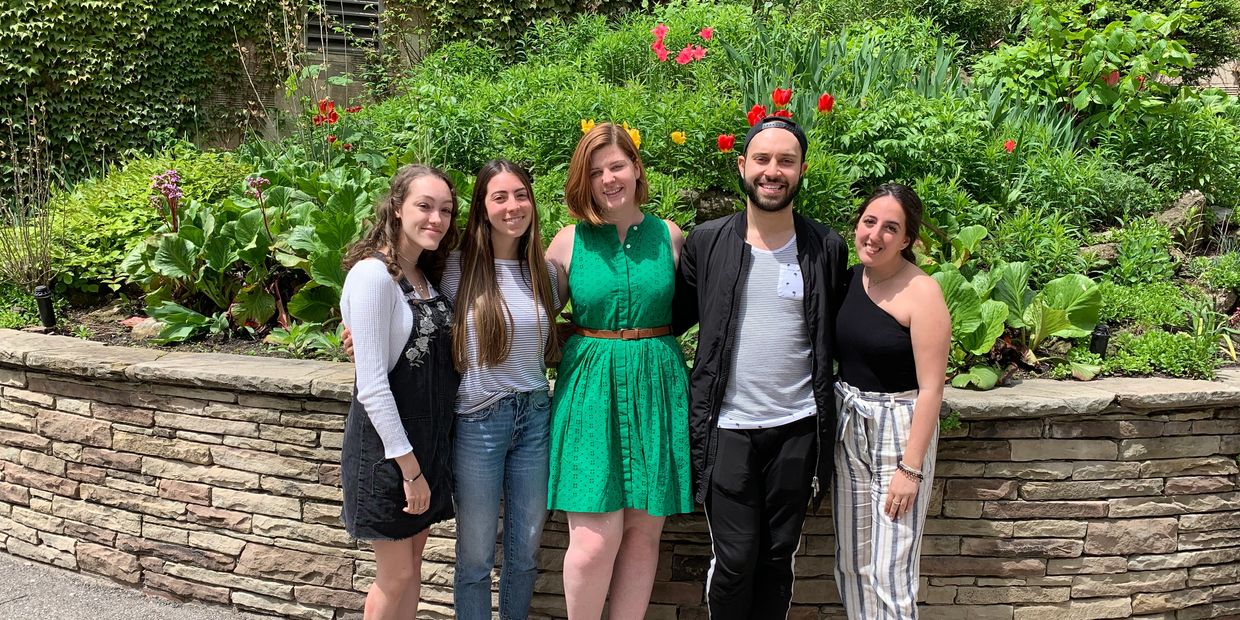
776	122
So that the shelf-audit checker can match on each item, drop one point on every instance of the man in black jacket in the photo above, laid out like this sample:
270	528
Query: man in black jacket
764	284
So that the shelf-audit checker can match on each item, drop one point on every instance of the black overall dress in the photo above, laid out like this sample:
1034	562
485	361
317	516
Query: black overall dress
424	384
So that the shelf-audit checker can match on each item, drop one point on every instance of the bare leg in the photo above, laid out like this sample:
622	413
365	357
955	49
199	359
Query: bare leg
635	566
593	539
398	579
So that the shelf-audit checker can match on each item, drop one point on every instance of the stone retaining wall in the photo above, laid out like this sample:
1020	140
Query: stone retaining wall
215	477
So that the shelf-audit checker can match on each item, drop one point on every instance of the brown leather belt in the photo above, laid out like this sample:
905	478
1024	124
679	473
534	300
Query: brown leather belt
625	334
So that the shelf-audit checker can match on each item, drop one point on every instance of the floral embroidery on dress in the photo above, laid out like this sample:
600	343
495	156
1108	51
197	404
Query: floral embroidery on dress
431	316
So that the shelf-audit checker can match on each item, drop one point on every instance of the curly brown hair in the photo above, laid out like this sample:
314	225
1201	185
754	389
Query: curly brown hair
384	234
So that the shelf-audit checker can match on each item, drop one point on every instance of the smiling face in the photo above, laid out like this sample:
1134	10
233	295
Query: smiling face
771	169
510	208
613	179
882	232
425	215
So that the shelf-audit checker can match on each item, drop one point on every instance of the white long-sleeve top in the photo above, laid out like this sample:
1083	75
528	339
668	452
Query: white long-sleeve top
378	314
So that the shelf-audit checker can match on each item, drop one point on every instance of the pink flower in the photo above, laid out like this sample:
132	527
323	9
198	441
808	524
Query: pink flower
698	52
706	33
1009	145
825	102
660	51
756	114
781	96
725	141
1111	79
659	32
783	112
685	56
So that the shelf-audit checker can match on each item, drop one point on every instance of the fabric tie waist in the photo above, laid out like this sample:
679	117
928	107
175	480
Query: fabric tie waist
854	405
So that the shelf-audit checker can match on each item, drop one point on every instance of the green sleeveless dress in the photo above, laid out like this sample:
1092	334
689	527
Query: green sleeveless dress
620	412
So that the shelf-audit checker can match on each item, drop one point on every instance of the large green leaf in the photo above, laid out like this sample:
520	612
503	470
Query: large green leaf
301	238
1080	298
966	242
981	340
1012	288
175	257
253	305
1042	321
335	230
314	303
218	253
251	238
982	377
962	301
327	269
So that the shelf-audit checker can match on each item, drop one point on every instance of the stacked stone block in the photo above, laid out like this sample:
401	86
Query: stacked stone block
216	478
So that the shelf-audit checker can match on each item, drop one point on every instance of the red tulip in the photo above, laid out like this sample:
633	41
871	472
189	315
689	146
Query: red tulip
353	109
706	33
756	114
726	141
1112	79
785	113
332	117
781	96
1009	146
318	119
326	106
825	103
331	138
347	146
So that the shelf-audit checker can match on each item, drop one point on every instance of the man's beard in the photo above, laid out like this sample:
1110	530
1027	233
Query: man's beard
751	190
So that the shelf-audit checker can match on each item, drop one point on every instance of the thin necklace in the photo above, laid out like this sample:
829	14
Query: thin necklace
423	288
874	283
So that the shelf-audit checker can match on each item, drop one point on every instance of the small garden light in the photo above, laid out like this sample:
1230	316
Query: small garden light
1099	339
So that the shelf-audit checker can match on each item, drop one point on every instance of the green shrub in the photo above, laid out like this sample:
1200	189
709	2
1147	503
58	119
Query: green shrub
1175	354
1214	37
1219	272
1143	254
1046	239
1091	189
1146	305
106	216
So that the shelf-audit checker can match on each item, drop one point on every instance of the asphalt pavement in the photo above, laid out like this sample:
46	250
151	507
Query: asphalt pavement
34	591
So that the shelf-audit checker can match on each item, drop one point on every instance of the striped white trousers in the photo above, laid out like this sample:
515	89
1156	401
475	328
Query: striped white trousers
876	559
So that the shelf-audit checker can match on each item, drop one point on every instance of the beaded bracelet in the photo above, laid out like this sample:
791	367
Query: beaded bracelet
910	472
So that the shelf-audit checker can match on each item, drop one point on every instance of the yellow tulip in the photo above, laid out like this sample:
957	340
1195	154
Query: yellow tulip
586	125
678	137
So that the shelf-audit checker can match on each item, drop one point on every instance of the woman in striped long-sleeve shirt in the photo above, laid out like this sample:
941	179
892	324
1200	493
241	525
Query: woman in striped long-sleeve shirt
505	308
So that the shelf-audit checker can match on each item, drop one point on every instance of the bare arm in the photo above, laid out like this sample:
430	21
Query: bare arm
930	329
560	253
678	239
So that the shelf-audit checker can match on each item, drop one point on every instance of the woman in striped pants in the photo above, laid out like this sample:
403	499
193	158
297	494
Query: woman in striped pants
893	333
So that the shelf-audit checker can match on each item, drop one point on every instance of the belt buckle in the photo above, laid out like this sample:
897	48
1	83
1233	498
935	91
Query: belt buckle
630	333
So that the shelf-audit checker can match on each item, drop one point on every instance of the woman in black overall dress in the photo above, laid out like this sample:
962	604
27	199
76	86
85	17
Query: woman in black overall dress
397	450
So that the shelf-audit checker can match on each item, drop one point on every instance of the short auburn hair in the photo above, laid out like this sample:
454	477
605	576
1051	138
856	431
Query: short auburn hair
577	191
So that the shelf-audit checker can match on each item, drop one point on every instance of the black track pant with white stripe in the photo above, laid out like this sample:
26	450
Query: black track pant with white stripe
760	488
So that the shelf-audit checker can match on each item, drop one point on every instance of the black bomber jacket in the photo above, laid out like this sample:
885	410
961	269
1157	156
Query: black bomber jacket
714	262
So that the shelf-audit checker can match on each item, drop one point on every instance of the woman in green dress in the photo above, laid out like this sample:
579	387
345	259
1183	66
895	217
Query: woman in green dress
619	416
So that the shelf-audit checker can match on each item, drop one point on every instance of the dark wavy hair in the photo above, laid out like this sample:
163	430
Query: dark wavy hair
910	203
384	234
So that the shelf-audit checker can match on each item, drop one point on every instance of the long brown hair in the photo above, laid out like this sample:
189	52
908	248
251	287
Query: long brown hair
479	288
384	234
577	191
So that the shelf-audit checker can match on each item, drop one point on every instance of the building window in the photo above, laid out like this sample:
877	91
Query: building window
343	26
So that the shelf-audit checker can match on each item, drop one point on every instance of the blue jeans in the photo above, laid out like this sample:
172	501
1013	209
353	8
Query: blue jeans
500	448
